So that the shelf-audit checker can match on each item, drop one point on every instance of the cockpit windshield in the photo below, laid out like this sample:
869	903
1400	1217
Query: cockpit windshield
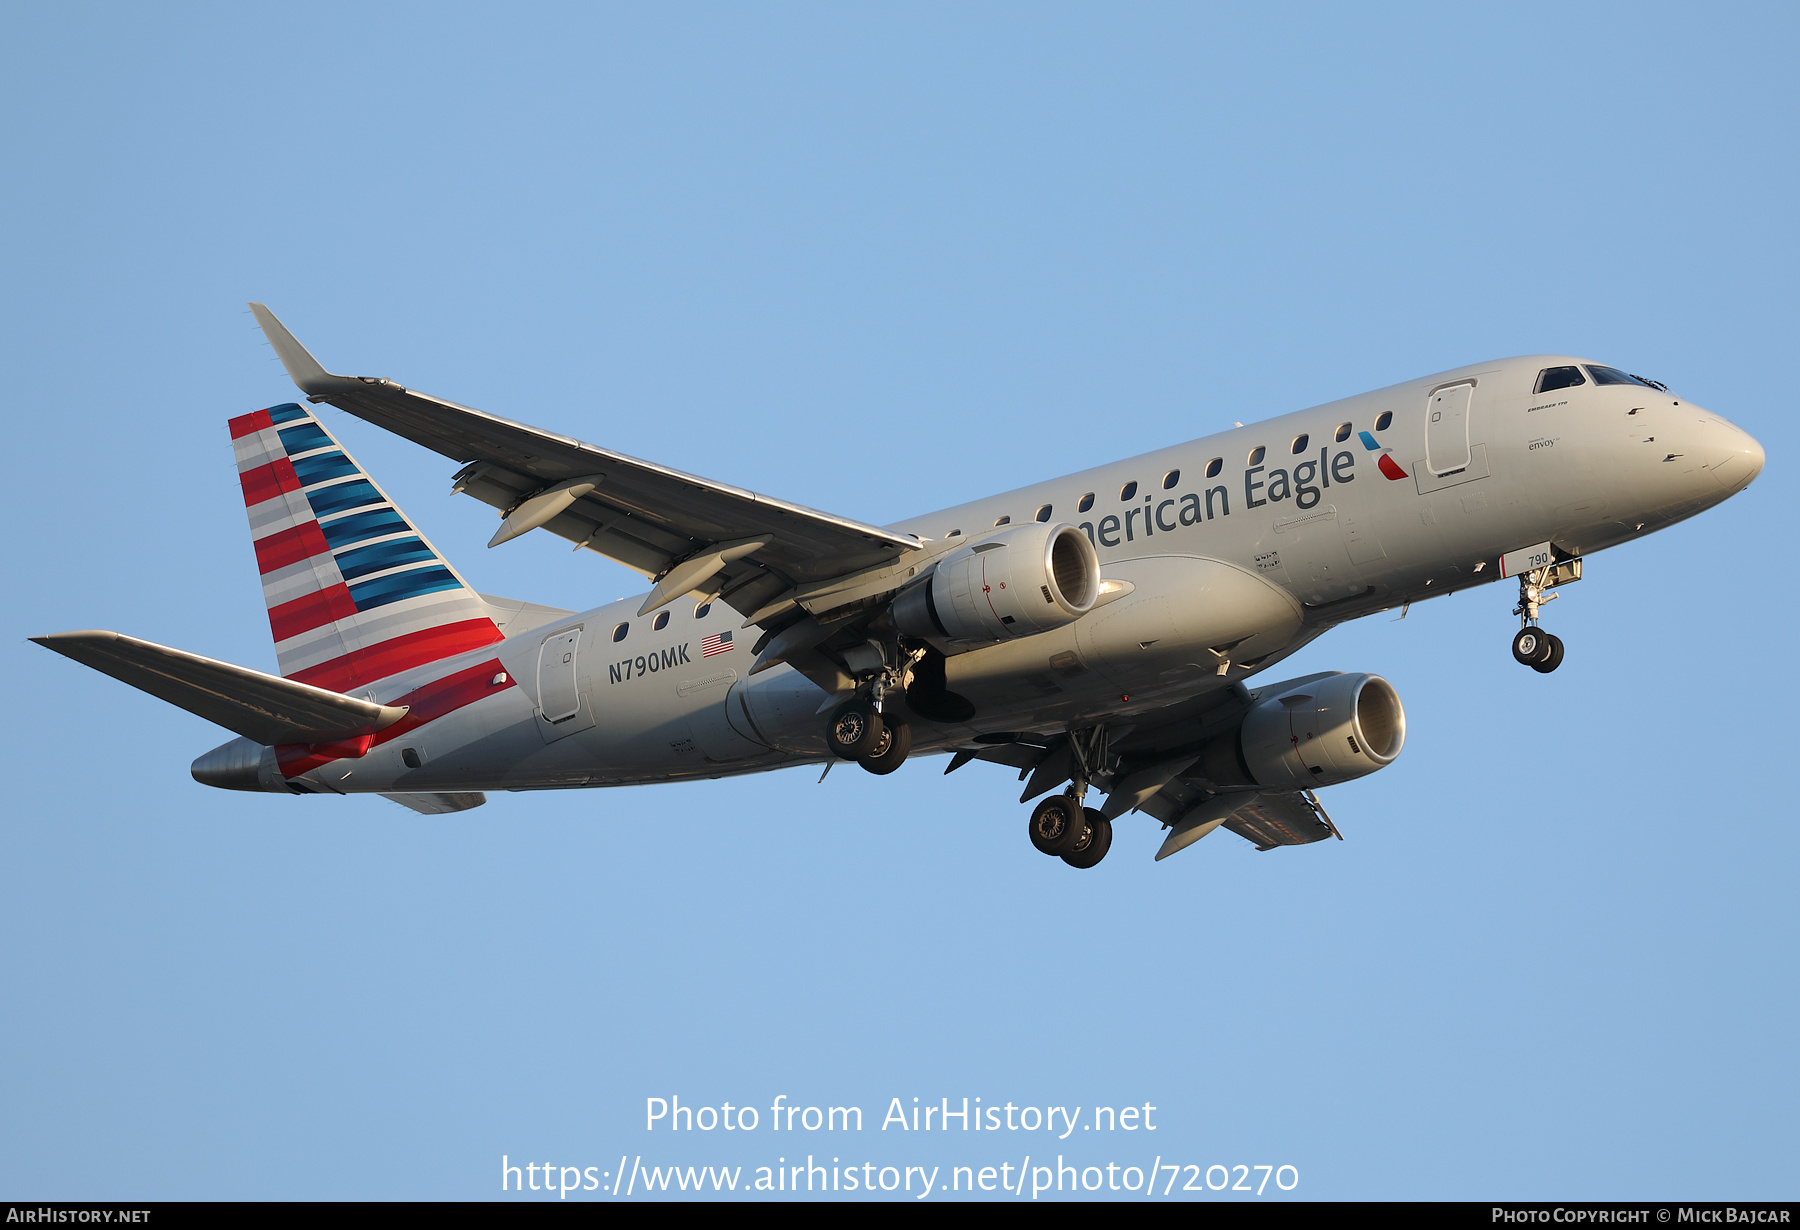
1612	375
1552	378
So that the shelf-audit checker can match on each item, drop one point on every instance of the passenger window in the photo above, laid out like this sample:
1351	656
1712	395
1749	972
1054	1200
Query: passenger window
662	621
1385	421
1553	378
1343	433
1300	442
703	610
954	534
1170	479
1004	521
620	631
1612	375
1214	466
1087	502
1043	514
1256	455
1128	491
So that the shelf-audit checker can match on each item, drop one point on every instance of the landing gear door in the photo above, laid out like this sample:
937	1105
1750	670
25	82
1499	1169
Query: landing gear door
562	709
1447	428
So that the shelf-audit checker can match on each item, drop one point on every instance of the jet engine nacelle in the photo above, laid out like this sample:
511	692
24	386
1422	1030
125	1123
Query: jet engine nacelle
1029	579
1311	732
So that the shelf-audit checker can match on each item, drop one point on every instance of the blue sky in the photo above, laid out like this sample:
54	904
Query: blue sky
880	261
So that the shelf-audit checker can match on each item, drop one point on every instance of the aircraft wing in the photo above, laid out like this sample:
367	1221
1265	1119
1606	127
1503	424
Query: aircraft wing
1154	776
687	533
1265	818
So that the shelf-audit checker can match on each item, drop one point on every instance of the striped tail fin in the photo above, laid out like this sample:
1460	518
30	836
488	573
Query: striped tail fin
355	593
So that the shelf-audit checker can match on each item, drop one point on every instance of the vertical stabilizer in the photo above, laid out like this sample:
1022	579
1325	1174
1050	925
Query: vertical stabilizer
355	593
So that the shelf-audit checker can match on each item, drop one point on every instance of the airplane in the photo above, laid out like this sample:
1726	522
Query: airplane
1098	631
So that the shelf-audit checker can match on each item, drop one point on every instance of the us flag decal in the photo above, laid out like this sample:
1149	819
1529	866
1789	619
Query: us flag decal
717	643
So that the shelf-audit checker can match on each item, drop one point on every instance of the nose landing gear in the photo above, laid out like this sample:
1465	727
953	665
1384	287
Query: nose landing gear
1540	650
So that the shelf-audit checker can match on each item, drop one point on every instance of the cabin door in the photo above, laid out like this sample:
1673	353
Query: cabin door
1447	428
562	709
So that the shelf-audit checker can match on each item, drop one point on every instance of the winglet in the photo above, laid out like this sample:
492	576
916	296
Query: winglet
306	371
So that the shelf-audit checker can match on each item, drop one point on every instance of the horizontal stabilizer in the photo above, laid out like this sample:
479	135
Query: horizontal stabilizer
439	804
265	708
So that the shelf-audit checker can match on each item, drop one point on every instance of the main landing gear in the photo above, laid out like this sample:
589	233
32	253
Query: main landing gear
1060	825
858	731
1540	650
1063	828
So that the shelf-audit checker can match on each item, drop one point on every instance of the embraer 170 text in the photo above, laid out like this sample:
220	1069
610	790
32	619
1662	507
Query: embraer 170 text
1098	631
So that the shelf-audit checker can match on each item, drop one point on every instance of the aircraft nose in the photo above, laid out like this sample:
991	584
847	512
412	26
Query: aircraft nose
1739	456
1753	454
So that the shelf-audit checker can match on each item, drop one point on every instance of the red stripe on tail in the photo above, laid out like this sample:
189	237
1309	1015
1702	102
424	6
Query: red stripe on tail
267	482
425	703
361	666
312	611
244	424
290	546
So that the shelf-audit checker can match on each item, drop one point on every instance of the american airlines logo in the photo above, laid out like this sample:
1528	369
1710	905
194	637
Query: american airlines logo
1388	466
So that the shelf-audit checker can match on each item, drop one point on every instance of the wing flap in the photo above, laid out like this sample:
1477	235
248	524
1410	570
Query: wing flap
440	804
265	708
1267	819
1285	819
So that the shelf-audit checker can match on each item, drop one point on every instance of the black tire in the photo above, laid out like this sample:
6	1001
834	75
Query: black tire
890	750
1555	657
1056	824
1093	843
1531	646
854	730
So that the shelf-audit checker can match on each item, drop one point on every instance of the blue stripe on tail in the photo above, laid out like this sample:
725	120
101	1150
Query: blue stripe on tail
343	497
347	531
361	561
401	585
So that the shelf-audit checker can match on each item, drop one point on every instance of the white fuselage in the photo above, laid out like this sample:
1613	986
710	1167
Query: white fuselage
1238	548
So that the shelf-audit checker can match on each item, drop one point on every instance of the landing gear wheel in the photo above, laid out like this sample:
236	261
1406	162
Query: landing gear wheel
1531	646
1093	843
1057	824
854	730
1554	658
890	749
